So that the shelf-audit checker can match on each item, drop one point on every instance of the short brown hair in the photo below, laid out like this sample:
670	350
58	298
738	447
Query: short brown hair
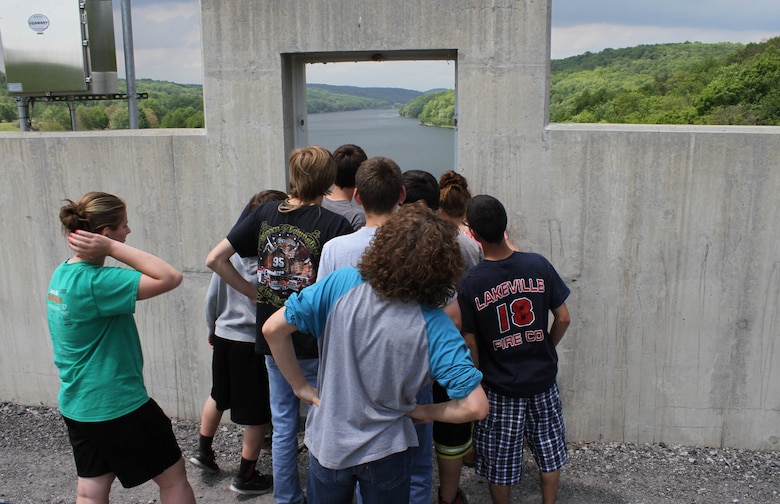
93	212
379	183
312	172
414	256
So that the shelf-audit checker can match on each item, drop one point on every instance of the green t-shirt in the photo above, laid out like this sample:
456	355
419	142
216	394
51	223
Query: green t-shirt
95	340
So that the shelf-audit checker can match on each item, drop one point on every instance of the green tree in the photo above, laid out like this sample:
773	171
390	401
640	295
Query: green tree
196	120
416	106
8	112
178	118
440	111
52	117
150	117
120	119
749	85
91	117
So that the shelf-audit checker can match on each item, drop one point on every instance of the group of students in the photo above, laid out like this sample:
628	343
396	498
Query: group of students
409	325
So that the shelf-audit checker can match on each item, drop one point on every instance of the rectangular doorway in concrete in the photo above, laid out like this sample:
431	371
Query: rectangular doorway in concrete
356	98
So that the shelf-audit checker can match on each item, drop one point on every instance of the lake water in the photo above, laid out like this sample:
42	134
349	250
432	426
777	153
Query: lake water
385	133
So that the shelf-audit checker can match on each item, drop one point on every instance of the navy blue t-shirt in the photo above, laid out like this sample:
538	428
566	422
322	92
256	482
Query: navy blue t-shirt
506	304
288	247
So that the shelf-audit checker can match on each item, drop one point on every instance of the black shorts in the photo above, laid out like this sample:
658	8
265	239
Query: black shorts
136	447
451	441
239	382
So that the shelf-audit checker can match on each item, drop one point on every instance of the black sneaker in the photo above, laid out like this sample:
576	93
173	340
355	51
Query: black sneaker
257	484
205	460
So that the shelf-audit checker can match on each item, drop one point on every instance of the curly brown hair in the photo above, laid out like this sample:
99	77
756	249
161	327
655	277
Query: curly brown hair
414	256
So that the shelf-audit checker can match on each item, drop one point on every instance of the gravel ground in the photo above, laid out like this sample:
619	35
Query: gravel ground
36	467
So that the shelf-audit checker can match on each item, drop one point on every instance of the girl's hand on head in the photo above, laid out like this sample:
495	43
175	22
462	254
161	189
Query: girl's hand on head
88	245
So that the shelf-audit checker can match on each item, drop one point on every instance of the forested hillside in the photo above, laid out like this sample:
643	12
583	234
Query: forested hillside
433	109
172	105
686	83
388	97
689	83
169	105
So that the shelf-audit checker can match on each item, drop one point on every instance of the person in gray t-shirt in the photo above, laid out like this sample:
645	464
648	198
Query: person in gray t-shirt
348	158
381	336
379	189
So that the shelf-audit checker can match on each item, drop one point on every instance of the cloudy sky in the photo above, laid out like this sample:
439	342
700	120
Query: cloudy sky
168	44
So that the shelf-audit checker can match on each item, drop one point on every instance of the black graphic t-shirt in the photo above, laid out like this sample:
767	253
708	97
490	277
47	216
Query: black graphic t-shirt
288	247
506	305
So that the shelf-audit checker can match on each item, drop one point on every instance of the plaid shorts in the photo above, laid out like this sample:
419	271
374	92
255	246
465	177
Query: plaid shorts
499	438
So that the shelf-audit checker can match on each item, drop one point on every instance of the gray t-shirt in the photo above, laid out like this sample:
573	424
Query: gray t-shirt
344	250
376	354
469	248
355	215
230	314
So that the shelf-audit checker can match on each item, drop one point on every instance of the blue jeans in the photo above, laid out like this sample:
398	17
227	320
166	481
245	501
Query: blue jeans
383	481
421	457
285	408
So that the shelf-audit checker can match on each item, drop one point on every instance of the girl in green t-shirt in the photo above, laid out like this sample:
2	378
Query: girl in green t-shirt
115	428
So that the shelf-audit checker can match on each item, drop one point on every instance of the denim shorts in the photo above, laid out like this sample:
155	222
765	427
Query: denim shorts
500	437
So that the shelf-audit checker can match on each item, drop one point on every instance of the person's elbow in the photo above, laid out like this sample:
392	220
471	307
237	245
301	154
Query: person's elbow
149	287
212	261
276	328
173	279
219	255
565	320
562	316
478	404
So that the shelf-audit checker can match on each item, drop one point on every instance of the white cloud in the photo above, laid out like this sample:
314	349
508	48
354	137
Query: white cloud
161	12
156	64
418	75
573	40
166	41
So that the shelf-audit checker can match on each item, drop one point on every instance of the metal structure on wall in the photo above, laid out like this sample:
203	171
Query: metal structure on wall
57	50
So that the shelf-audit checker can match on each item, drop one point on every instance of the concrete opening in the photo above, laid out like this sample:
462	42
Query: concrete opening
296	121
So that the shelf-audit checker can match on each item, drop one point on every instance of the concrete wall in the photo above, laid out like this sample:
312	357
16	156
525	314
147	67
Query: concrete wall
666	235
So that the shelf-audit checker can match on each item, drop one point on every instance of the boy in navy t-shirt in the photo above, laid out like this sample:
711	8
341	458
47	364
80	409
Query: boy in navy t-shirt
505	302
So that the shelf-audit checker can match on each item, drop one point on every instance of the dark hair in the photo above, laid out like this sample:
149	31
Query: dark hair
93	212
265	197
379	182
421	185
258	199
312	172
404	261
486	217
348	158
454	194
